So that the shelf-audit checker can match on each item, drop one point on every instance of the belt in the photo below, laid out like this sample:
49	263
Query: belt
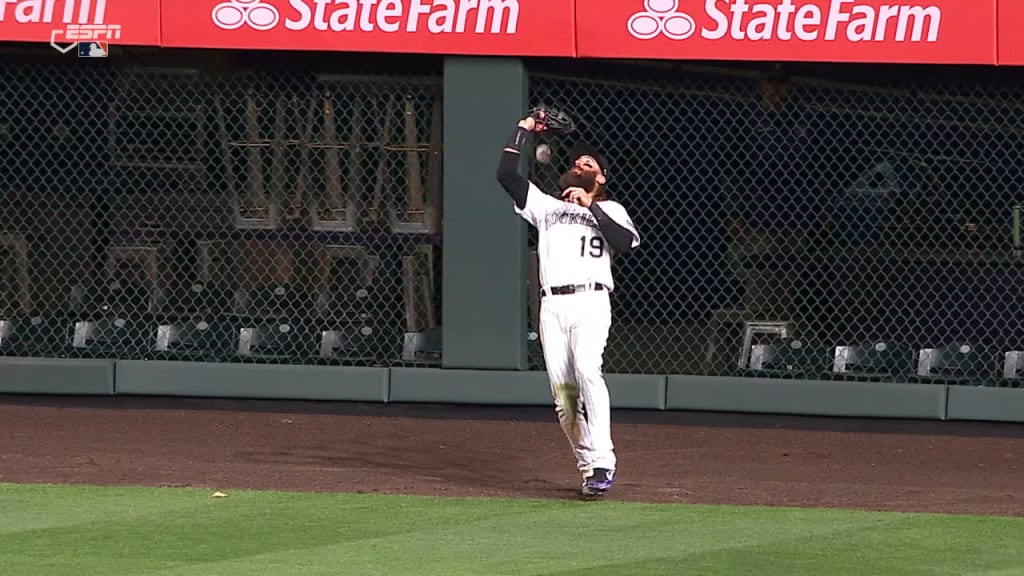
571	289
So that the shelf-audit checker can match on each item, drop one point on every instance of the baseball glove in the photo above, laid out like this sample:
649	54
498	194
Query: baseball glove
552	120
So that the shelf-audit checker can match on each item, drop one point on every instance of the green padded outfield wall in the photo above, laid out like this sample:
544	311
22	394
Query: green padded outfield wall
56	376
235	380
484	268
505	387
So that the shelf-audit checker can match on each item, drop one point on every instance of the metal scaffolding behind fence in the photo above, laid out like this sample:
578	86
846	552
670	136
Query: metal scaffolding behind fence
175	214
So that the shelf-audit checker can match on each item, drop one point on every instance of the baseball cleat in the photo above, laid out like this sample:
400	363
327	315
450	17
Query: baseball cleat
598	483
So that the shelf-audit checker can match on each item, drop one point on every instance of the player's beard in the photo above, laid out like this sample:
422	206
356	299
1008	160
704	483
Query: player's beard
585	180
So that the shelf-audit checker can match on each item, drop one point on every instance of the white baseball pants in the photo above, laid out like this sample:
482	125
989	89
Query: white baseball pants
573	333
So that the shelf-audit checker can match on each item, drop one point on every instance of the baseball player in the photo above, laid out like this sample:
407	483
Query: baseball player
578	234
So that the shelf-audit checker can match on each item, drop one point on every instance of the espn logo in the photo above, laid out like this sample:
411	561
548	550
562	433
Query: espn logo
77	33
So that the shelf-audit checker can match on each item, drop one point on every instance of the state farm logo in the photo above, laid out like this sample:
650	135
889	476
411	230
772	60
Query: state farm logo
661	18
803	20
434	16
234	13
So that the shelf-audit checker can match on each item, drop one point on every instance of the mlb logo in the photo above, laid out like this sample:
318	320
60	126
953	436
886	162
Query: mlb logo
93	49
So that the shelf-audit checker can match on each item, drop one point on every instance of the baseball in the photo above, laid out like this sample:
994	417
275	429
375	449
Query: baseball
543	153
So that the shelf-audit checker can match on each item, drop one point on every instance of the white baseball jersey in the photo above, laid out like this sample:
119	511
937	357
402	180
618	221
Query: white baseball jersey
570	246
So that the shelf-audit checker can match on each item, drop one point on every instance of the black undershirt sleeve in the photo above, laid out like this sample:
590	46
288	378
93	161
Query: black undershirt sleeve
508	167
618	236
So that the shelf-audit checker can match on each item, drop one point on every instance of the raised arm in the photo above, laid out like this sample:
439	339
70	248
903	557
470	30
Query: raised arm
508	166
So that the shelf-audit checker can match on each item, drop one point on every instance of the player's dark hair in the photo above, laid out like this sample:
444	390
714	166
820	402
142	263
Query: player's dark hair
585	149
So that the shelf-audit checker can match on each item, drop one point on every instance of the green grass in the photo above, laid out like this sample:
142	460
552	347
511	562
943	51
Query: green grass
163	531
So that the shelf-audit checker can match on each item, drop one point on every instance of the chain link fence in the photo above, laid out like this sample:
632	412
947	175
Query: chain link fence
284	215
830	222
839	222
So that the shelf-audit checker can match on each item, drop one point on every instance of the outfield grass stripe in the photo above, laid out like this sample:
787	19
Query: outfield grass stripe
582	537
901	544
42	506
172	528
173	532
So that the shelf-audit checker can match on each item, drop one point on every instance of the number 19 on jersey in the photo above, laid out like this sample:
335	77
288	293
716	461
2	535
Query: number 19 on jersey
591	246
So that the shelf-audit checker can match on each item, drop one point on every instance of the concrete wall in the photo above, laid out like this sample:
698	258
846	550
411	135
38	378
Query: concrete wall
506	387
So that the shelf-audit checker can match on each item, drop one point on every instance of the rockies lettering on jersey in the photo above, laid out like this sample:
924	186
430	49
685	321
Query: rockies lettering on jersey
570	217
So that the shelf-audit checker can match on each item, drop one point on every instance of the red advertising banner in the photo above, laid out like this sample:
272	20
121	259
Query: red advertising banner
1011	41
896	31
905	31
66	22
477	27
